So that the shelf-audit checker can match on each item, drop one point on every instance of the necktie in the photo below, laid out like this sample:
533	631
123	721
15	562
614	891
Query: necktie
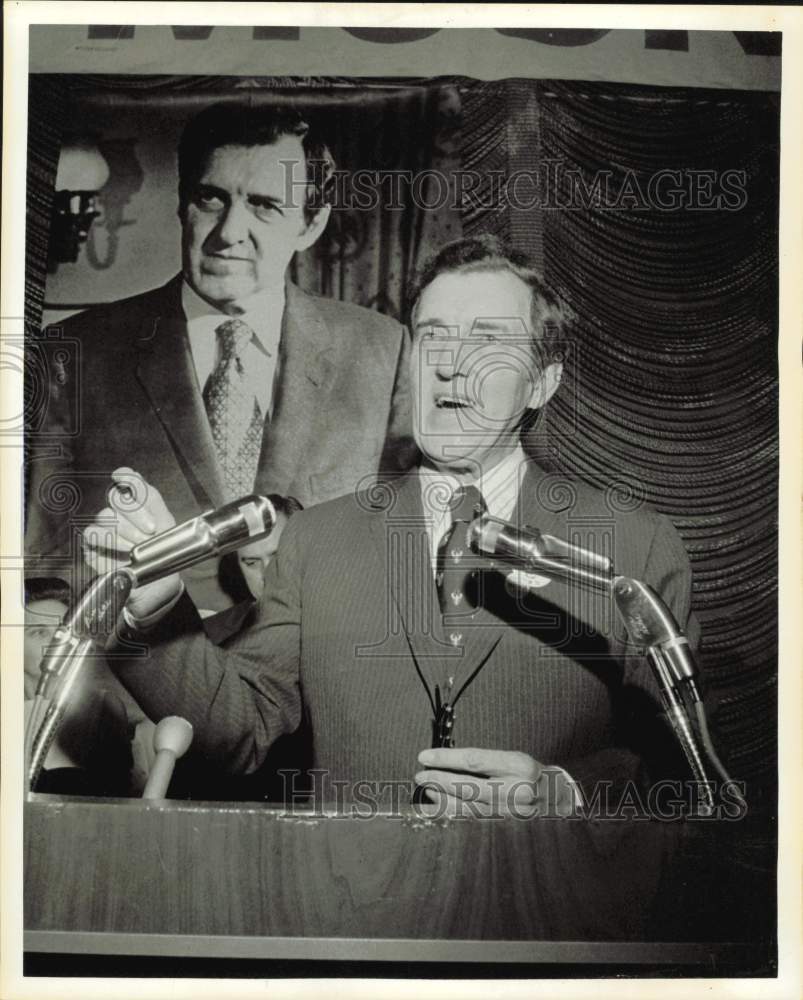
454	556
234	414
454	571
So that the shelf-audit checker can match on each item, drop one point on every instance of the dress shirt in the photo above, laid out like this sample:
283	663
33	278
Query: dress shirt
499	488
263	314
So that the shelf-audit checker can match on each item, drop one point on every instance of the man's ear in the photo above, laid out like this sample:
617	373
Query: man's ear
314	228
546	385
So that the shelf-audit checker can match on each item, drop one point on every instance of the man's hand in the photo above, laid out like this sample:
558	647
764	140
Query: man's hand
469	781
136	512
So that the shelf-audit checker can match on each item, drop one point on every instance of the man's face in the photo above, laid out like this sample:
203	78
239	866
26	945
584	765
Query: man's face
254	558
243	221
42	618
473	368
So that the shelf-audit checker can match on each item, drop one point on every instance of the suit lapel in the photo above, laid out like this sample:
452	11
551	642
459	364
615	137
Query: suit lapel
398	531
552	512
530	511
308	357
166	372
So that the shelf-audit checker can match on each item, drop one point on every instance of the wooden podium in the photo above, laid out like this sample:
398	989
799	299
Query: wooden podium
251	881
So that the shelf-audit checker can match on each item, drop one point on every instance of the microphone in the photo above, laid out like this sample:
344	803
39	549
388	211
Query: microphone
535	552
96	612
646	617
171	740
211	534
650	622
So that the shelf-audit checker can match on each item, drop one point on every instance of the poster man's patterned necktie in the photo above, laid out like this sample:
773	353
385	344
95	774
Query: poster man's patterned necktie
234	413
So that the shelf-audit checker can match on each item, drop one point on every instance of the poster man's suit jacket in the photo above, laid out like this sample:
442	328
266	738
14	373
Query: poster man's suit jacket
126	394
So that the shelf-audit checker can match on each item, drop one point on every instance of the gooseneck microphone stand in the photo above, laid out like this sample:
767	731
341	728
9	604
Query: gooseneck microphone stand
92	618
95	614
648	621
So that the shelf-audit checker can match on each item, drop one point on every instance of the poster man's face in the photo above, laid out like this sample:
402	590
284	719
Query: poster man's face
244	219
474	371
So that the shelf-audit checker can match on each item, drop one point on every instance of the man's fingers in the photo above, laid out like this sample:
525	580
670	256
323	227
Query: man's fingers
134	500
445	783
137	502
505	801
158	508
129	490
501	780
113	533
466	787
438	805
135	513
104	536
101	562
474	760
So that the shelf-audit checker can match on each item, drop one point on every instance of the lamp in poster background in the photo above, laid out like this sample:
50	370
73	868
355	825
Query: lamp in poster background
82	173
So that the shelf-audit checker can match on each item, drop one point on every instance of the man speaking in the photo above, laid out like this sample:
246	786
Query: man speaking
229	378
377	627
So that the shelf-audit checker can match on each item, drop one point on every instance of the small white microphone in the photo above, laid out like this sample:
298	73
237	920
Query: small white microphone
171	740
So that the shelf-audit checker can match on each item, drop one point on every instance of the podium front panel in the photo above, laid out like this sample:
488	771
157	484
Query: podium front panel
251	880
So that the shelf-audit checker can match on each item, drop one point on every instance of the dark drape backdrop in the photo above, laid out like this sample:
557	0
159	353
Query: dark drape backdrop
677	367
670	394
677	371
368	253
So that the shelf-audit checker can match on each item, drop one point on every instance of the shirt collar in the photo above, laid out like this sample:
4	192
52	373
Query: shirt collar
499	486
256	310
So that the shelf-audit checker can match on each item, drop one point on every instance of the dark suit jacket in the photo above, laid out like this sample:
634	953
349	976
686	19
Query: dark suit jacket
341	412
349	634
95	733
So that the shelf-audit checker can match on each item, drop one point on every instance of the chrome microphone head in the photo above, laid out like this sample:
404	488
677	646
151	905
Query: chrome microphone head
531	550
210	534
483	534
489	536
241	521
